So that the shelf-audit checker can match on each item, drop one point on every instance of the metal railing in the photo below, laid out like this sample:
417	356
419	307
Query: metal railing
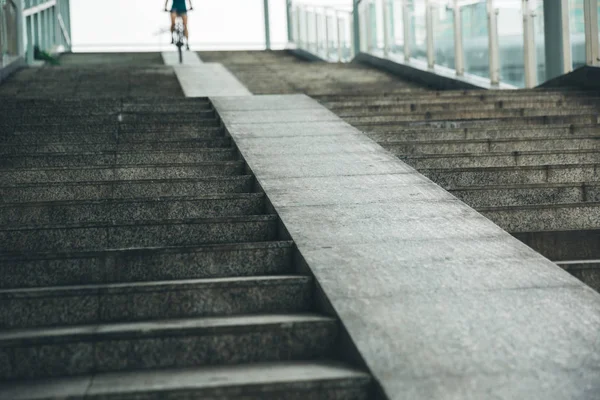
47	25
501	42
9	40
325	31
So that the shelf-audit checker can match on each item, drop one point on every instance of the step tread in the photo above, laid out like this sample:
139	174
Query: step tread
154	286
260	375
168	249
178	327
105	224
103	201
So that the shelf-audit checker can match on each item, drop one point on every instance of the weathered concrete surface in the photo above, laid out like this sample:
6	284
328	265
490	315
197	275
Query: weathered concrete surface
208	79
482	316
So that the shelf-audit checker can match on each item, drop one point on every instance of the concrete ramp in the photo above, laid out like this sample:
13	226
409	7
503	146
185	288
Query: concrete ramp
440	302
205	80
189	58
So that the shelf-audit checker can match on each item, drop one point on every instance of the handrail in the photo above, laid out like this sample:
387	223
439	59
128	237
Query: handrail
64	31
413	32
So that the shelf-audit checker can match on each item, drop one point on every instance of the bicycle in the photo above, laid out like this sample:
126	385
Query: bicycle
178	36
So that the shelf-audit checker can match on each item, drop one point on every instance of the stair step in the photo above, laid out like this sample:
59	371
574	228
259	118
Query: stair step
299	380
56	352
115	158
167	188
519	195
201	118
120	173
402	146
366	124
545	217
490	160
31	269
78	237
128	302
140	209
111	146
557	173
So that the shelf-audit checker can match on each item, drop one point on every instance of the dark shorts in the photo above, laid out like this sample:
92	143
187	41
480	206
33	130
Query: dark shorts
179	12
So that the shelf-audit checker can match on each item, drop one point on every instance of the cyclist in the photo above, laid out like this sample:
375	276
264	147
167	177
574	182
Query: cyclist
179	9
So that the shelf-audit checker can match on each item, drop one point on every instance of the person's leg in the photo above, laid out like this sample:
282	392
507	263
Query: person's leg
173	18
185	30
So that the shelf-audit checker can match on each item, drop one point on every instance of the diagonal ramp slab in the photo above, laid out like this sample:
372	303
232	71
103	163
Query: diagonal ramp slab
440	302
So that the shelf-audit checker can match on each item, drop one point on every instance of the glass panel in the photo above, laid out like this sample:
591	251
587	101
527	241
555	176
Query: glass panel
577	27
443	35
8	31
475	39
510	41
418	30
396	27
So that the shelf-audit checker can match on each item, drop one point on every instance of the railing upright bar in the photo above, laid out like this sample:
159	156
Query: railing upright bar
493	43
339	36
529	46
386	28
406	26
30	38
326	35
590	13
429	28
566	37
459	53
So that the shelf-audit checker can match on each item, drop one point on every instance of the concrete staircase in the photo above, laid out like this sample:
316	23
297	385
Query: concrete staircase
528	159
140	260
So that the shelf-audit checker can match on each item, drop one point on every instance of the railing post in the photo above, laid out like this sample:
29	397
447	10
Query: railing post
406	26
493	43
386	28
529	45
429	28
20	28
590	13
355	28
566	37
459	54
368	27
316	31
29	22
339	36
326	35
298	27
306	31
288	15
267	25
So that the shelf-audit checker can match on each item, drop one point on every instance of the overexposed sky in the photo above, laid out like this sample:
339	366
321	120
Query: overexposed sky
99	25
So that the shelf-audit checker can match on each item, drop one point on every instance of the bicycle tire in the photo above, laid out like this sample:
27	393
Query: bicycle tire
180	54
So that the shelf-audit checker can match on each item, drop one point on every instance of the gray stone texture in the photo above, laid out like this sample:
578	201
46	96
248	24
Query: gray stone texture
439	301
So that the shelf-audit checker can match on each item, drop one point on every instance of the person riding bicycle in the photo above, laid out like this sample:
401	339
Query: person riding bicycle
179	9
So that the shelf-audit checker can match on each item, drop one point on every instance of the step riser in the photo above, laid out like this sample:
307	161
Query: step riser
119	174
353	108
456	121
475	112
546	219
205	118
484	177
76	213
591	277
472	124
91	238
482	148
123	190
501	160
107	146
299	341
86	160
520	197
565	245
79	307
145	265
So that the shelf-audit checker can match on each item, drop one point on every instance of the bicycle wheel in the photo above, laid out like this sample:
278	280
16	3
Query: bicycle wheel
180	54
